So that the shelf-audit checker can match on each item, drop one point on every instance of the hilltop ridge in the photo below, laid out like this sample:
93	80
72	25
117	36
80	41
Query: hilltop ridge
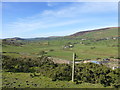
101	33
88	31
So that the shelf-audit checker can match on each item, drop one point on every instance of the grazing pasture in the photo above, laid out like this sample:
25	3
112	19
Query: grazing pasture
23	80
98	45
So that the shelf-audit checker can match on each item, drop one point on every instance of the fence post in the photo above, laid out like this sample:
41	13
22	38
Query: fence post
73	67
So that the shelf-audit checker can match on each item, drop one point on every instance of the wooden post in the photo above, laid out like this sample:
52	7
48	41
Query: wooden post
73	67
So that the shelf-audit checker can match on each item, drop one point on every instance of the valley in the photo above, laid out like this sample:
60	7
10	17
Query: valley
96	45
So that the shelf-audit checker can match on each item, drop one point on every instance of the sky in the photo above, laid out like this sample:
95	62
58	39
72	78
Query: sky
44	19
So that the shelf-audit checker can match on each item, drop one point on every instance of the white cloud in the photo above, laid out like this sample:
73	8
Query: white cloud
79	9
55	33
22	27
57	18
100	7
51	4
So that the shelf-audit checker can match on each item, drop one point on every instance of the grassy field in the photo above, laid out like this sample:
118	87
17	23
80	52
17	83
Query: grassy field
103	48
23	80
83	51
89	49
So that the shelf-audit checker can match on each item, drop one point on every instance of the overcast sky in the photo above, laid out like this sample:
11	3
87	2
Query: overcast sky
43	19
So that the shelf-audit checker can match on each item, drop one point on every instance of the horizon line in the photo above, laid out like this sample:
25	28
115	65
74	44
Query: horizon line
60	35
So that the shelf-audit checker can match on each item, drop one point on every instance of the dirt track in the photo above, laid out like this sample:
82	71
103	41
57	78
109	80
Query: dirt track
60	61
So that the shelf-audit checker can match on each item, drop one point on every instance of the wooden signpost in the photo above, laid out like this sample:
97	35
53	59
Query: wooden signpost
73	66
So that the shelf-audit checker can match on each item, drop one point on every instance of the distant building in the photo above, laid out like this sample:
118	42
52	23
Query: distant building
115	67
86	61
83	39
114	38
69	46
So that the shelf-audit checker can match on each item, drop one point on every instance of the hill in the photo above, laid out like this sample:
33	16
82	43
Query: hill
84	32
33	58
97	34
100	43
110	32
15	38
13	41
106	33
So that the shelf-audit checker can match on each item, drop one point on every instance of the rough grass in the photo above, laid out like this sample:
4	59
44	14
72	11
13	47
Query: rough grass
112	32
23	80
103	48
83	51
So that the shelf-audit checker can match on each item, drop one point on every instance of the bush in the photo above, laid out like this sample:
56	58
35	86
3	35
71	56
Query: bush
62	72
42	52
84	72
24	64
51	50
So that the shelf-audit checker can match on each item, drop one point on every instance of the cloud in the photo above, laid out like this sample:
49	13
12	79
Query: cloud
77	9
55	33
51	4
65	16
22	27
99	7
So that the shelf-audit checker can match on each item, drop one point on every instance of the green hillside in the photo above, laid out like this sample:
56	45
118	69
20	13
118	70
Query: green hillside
105	43
98	33
27	66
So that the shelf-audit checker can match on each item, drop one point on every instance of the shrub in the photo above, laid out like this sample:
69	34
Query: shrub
51	50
